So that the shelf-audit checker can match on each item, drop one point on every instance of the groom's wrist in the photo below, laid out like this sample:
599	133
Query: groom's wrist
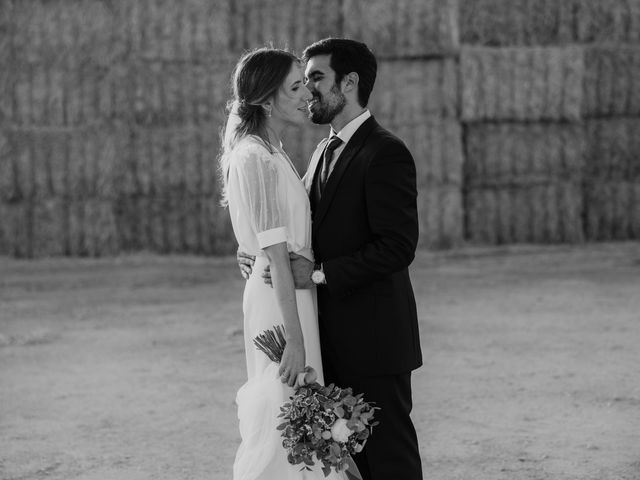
317	275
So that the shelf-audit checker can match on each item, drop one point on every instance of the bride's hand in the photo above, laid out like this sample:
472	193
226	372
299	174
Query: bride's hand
292	362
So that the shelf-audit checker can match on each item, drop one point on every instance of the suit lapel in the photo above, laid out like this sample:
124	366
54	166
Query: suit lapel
342	163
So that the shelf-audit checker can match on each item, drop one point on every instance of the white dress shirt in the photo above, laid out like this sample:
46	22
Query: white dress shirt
345	135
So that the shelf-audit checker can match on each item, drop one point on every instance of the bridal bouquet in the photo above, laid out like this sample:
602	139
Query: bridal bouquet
328	424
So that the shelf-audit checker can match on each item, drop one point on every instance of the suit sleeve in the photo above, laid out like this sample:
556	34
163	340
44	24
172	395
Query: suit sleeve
391	203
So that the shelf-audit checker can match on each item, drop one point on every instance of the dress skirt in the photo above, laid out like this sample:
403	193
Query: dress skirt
261	455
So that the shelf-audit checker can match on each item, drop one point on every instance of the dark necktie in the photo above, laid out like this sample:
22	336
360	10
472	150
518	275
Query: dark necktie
327	156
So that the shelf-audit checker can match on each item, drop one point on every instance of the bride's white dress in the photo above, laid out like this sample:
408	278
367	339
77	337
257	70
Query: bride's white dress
268	205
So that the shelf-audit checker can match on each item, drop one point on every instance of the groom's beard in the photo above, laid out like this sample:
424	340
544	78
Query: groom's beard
326	108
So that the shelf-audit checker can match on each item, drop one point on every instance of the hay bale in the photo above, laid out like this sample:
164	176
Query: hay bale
66	163
92	228
612	183
605	21
132	223
535	213
48	233
283	23
499	155
50	32
408	28
613	148
410	91
611	209
177	160
522	83
17	224
9	190
21	152
441	216
436	146
5	231
52	95
164	94
548	22
33	228
611	80
186	30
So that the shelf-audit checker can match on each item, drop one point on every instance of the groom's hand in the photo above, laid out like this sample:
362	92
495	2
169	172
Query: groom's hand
245	263
301	268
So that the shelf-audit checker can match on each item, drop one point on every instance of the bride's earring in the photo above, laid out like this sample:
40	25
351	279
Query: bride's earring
267	110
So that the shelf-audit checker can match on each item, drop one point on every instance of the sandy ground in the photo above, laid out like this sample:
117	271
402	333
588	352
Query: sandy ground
127	368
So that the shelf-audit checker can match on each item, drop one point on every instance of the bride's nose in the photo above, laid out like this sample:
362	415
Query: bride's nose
306	94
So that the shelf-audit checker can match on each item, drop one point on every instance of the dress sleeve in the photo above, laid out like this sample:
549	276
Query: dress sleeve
261	194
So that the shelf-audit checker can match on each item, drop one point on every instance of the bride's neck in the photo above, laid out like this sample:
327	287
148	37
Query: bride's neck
274	134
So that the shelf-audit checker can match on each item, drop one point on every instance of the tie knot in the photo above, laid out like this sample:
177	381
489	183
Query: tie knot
334	142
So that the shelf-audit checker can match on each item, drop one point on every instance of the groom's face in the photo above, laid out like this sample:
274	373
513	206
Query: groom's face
328	100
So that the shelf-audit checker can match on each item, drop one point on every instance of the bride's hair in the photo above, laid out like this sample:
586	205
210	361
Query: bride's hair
256	78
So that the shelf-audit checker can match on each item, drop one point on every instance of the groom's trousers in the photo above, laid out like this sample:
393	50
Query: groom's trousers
391	452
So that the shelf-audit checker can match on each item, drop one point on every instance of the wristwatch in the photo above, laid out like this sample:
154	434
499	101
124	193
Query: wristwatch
317	276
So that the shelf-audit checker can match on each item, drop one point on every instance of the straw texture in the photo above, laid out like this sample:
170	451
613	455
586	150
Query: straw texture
284	23
523	182
612	85
436	146
164	93
501	155
440	211
522	83
549	212
404	28
411	91
548	22
65	163
612	184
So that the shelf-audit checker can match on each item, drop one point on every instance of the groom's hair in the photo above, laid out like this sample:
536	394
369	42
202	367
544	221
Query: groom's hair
348	56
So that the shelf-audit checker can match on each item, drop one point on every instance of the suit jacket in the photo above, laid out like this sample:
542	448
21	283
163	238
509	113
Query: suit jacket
365	232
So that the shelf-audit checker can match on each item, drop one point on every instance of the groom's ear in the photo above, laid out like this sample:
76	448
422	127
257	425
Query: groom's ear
350	82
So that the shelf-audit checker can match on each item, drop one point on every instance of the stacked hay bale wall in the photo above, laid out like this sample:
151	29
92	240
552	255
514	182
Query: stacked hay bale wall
550	106
523	116
524	154
61	145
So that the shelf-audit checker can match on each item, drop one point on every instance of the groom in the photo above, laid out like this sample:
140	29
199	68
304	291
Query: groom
362	187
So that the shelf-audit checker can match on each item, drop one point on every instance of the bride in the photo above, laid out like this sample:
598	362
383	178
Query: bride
271	217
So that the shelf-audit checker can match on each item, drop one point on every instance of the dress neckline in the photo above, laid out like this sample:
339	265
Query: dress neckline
279	150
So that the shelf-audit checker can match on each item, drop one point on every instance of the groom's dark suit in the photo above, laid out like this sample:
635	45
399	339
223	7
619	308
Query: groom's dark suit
365	232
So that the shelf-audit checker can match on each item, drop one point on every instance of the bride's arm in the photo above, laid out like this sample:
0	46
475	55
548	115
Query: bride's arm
293	358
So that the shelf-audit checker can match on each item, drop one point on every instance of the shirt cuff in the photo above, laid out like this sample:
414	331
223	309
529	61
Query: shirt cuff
272	236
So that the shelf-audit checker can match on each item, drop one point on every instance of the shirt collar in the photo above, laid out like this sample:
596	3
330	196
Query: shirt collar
350	128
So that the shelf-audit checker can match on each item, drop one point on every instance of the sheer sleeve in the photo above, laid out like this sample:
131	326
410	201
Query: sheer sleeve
258	175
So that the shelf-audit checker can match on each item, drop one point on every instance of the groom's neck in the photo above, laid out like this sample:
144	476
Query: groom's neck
346	115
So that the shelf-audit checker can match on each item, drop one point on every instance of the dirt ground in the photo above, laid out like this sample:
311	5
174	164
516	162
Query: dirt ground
127	368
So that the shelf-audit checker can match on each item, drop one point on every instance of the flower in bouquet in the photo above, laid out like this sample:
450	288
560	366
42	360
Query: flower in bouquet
320	423
325	424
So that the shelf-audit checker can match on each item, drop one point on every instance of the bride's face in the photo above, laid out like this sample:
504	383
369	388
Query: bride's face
291	102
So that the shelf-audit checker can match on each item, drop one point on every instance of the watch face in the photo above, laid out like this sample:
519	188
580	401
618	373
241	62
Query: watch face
317	277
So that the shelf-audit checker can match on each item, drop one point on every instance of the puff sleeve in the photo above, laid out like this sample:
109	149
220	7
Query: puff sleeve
262	195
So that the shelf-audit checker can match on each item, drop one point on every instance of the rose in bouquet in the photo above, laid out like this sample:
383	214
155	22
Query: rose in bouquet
320	423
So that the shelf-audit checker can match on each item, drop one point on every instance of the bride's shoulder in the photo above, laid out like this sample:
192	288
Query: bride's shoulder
251	147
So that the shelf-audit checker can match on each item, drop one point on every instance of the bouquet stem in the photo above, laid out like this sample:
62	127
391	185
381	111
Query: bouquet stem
272	343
